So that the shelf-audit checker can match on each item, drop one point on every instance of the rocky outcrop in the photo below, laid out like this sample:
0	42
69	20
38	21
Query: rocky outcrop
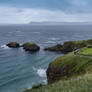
58	47
29	46
67	46
55	74
72	46
13	45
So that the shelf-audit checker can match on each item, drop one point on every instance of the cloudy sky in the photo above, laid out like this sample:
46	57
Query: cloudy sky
24	11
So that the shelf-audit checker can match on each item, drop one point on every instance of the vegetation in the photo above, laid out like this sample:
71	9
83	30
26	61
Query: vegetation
37	86
68	66
73	45
70	46
86	51
79	84
29	46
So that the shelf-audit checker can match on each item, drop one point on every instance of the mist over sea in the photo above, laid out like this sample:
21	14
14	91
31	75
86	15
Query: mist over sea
19	69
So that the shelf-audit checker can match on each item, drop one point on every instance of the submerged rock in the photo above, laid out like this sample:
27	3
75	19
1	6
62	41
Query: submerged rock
29	46
13	45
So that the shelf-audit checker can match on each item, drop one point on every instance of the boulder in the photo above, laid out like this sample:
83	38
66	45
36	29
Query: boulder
29	46
13	45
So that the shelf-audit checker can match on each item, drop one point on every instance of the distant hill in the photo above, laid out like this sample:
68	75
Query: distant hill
59	23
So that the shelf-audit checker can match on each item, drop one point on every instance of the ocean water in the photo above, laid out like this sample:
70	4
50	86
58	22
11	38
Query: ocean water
20	70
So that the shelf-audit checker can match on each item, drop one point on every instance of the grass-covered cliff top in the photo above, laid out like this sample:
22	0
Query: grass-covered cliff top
86	51
79	84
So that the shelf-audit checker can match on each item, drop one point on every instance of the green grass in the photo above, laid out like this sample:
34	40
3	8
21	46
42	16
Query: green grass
74	63
79	84
86	52
29	44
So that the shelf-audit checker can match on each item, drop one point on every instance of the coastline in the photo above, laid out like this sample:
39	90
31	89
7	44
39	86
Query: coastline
60	69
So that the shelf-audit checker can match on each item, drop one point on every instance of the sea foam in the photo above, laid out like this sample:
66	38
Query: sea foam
55	39
4	47
50	42
40	72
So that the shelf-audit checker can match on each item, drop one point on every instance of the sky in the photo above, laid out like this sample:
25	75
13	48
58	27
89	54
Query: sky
25	11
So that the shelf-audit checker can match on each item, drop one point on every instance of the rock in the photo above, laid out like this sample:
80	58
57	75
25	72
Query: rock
29	46
73	45
13	45
55	74
54	48
67	46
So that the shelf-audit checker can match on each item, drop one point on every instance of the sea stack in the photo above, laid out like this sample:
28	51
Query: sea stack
29	46
13	45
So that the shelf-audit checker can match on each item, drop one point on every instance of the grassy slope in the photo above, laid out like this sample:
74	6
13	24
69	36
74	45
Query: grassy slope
74	63
79	84
78	66
86	52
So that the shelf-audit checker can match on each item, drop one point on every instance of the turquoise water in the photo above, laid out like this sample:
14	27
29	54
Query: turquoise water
19	69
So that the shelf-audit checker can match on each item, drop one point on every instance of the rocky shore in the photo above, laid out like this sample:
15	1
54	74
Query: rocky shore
69	46
59	69
68	67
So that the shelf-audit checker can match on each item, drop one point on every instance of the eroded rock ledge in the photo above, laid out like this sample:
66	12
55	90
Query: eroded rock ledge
69	46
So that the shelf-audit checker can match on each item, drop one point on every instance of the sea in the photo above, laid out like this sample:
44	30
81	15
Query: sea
20	70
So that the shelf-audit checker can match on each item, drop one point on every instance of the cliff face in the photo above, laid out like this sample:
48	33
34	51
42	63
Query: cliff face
54	74
68	66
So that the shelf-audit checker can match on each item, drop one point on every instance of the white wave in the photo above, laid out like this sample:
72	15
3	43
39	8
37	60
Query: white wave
54	39
41	72
50	42
4	47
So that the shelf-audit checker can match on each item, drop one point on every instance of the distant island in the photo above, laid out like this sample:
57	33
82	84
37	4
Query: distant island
59	23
